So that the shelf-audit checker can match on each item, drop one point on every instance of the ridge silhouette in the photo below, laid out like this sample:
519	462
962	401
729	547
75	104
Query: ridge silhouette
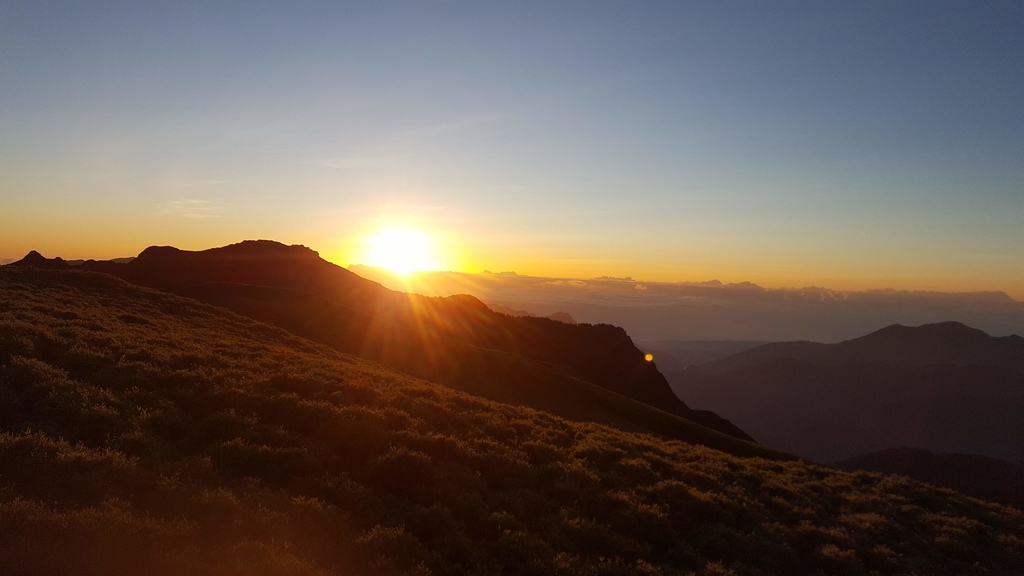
457	340
929	344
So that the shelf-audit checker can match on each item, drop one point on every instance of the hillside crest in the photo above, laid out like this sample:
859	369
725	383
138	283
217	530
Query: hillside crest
455	340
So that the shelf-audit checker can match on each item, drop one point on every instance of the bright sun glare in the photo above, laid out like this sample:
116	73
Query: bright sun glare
400	250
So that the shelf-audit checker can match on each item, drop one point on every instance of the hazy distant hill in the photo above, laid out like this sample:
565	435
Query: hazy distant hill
455	340
931	344
944	387
145	433
979	476
560	316
115	260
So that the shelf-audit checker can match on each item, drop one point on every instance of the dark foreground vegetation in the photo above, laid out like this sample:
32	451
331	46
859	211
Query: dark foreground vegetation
145	433
979	476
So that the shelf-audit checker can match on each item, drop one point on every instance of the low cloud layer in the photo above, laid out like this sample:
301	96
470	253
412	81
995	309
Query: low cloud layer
652	311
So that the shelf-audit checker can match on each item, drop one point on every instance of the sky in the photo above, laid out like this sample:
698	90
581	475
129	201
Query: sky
851	145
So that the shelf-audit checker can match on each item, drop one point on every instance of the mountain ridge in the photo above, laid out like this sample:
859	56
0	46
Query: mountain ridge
944	387
404	330
937	343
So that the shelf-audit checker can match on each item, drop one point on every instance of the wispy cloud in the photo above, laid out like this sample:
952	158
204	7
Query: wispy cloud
191	208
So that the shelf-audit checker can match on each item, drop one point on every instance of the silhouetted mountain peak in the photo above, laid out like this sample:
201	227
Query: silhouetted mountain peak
37	260
157	252
942	343
562	317
248	249
258	262
268	248
466	301
938	330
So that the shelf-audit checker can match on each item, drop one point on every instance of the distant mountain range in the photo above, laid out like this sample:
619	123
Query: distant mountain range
944	387
584	372
944	343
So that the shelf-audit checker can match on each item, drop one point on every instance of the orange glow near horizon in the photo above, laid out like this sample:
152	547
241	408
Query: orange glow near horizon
770	274
447	250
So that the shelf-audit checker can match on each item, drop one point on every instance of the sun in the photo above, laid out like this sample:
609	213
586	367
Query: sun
400	250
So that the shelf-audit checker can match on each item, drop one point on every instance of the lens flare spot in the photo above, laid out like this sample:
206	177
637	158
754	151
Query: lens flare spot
649	357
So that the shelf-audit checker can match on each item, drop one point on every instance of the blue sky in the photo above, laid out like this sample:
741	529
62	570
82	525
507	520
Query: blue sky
854	145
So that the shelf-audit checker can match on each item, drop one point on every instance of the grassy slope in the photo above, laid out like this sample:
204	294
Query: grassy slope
601	354
979	476
146	433
492	373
